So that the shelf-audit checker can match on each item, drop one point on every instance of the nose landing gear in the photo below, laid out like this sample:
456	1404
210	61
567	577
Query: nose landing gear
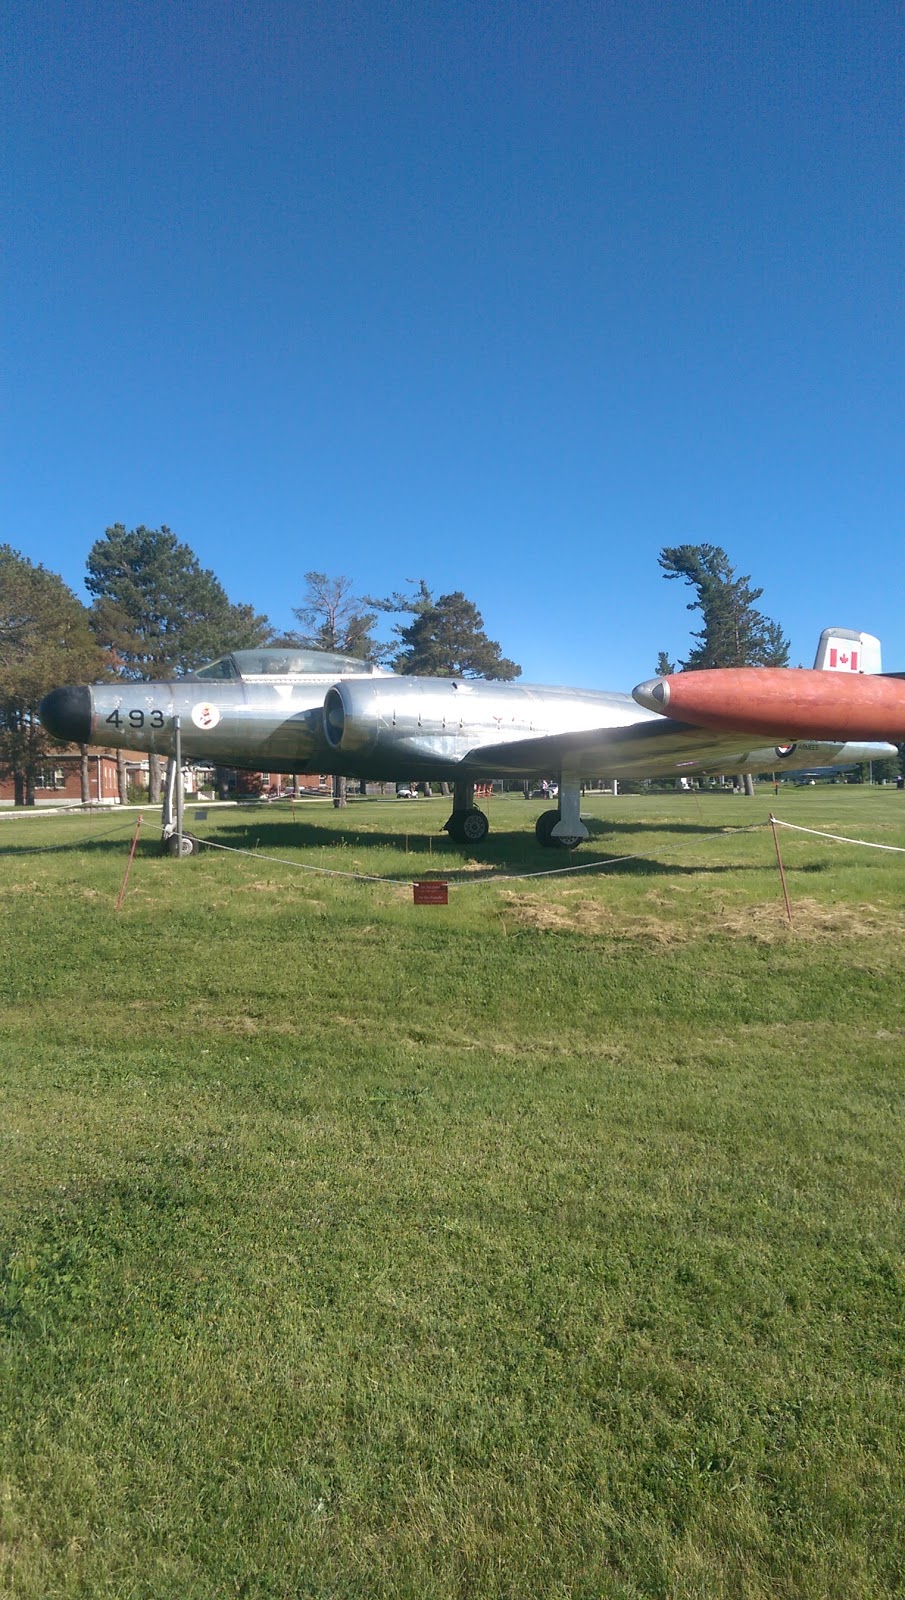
170	830
171	845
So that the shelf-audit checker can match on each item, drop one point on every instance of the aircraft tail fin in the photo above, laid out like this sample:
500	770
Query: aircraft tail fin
844	650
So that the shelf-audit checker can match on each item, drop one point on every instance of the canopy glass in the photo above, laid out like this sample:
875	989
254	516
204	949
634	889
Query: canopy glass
276	663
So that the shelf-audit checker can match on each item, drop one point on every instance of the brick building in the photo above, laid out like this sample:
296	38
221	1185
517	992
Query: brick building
59	783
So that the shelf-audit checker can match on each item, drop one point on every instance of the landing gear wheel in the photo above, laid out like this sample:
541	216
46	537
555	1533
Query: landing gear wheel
468	827
189	845
543	832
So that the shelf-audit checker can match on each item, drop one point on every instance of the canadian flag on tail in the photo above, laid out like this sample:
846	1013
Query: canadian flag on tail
843	650
839	660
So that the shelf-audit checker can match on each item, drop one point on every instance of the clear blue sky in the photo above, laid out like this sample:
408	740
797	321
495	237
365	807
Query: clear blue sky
505	296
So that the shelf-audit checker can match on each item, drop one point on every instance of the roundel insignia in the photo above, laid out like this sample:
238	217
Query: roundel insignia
784	749
204	715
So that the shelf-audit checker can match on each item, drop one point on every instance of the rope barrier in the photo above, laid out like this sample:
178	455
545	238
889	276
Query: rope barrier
72	844
471	880
839	838
601	866
300	866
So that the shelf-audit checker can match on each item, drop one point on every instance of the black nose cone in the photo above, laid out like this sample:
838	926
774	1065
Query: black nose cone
66	713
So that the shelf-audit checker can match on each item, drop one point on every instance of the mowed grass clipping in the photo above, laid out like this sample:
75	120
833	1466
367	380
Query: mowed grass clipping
545	1244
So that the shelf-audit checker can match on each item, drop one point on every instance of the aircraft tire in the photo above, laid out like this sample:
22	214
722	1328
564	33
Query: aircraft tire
469	827
189	845
543	832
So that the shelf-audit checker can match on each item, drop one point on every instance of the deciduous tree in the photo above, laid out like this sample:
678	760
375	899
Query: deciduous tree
335	619
45	642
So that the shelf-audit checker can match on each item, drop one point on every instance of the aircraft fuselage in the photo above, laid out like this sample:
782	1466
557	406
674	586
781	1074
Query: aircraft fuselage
385	727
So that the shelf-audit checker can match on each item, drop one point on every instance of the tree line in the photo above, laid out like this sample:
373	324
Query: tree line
155	612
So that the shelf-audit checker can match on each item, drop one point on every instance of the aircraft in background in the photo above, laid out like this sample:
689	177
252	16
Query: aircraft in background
291	710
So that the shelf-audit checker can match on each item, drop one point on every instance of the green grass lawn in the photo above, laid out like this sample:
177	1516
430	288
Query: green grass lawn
546	1244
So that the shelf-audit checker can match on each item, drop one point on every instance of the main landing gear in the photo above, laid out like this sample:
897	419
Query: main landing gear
560	829
563	828
467	825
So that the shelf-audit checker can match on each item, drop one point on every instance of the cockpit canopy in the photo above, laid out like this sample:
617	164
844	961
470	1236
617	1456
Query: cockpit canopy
289	664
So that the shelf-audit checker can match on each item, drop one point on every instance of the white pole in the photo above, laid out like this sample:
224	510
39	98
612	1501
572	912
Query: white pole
176	725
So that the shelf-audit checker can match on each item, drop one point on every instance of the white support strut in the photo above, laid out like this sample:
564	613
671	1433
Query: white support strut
570	825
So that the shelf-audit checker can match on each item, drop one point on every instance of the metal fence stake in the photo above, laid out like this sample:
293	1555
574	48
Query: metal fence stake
122	892
782	870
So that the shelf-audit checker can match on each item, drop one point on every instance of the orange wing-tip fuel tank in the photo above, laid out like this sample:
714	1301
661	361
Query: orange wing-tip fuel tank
783	703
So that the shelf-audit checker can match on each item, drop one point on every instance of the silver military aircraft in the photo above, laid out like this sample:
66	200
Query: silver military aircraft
289	710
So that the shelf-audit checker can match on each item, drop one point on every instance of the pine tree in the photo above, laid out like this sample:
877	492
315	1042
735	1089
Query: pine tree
160	612
159	609
446	638
734	632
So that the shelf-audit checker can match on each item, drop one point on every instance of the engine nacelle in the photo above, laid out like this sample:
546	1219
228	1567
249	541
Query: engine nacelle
352	718
399	720
418	719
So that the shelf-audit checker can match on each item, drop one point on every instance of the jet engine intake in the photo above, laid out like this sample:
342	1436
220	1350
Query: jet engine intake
351	717
334	719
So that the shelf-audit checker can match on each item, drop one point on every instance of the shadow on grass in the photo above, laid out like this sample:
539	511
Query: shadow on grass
502	855
323	834
541	863
510	853
115	839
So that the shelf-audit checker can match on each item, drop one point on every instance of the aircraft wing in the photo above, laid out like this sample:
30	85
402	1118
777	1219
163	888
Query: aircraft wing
656	747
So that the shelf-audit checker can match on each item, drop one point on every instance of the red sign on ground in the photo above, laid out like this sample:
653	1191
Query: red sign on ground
431	894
